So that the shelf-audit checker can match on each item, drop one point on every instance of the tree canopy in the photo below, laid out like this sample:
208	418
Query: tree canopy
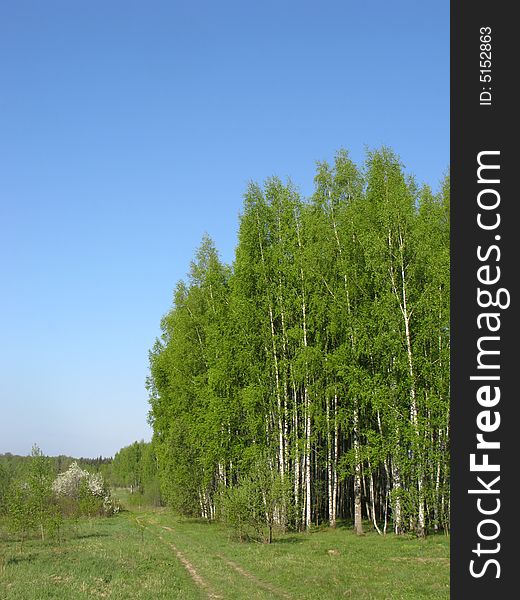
322	351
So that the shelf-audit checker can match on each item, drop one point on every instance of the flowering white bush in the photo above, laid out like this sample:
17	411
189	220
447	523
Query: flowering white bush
110	506
69	484
96	485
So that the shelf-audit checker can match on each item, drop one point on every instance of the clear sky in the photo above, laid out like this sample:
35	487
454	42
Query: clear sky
130	128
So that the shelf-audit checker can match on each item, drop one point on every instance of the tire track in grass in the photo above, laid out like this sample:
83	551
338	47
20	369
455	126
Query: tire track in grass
201	583
273	590
191	569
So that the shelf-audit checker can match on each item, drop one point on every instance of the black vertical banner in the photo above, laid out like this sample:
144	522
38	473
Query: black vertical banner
485	265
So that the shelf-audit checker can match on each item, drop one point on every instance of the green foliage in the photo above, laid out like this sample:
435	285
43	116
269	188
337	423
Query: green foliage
20	517
31	504
253	506
37	502
323	352
4	486
89	505
135	467
15	465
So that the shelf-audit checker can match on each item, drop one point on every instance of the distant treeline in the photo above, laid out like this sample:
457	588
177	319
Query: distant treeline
39	495
309	381
12	465
133	467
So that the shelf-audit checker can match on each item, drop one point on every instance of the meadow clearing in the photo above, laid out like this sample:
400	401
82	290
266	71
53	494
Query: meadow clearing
153	554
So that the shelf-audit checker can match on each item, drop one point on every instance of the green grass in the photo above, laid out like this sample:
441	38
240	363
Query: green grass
151	558
108	558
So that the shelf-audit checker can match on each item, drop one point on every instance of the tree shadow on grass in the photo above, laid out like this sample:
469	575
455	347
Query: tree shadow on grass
346	524
83	536
20	558
290	539
197	521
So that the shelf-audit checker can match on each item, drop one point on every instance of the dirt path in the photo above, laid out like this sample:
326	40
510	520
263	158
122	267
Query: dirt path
273	591
190	568
201	583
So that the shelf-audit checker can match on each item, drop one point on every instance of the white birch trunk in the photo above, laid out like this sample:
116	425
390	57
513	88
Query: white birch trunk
330	451
373	500
398	517
406	313
335	465
358	521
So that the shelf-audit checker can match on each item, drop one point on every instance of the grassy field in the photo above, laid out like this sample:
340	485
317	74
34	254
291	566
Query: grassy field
155	555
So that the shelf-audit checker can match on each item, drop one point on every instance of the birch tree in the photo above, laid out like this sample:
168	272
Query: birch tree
323	350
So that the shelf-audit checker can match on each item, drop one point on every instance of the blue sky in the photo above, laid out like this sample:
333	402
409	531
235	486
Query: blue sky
128	129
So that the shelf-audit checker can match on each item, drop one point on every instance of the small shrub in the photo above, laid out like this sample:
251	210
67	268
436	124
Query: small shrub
31	503
257	504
